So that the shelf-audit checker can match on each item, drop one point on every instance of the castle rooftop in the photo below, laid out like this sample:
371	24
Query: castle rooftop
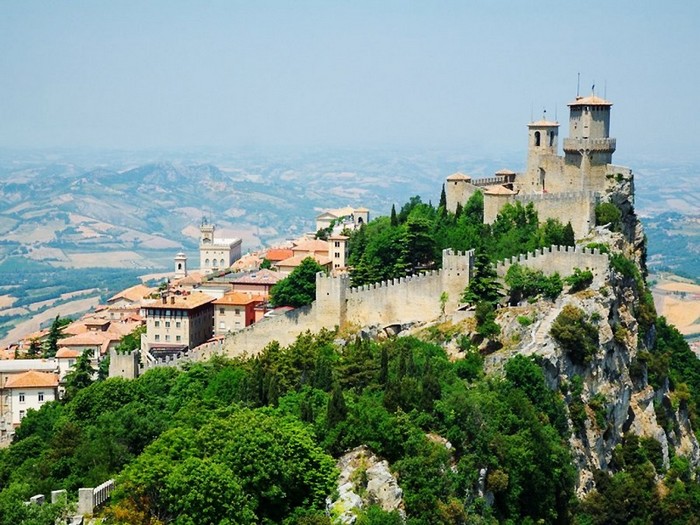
458	176
591	100
543	124
498	190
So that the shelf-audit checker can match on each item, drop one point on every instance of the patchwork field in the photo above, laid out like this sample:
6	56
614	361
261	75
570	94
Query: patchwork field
679	302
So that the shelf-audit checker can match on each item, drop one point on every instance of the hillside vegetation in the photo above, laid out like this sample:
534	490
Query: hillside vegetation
256	440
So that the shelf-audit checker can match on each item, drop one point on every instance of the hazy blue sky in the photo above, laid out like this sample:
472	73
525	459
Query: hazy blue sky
166	74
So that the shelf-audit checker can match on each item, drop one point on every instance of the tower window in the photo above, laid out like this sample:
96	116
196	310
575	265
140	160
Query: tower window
537	138
179	266
551	139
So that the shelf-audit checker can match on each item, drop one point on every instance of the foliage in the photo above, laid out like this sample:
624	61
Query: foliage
80	376
299	287
524	283
579	280
576	335
55	333
483	285
608	213
265	264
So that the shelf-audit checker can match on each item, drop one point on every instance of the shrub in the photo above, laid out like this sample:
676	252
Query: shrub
525	320
525	283
579	280
608	213
600	246
598	404
576	335
623	265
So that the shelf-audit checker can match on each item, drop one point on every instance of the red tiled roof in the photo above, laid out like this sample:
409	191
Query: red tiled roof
278	254
32	379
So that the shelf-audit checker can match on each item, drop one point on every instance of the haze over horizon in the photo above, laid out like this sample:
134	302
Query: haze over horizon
227	75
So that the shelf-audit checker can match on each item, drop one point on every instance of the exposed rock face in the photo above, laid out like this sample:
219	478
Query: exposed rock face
364	480
613	376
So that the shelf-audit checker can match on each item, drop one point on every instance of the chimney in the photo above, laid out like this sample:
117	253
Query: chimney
172	299
165	299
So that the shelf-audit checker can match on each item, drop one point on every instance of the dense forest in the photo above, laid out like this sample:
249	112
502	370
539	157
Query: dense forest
256	440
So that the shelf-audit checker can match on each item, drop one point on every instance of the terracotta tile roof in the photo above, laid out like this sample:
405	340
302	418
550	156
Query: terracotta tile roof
504	172
338	237
278	254
498	190
192	279
183	302
68	353
295	261
459	176
133	294
33	379
259	277
88	339
362	210
591	100
237	299
314	245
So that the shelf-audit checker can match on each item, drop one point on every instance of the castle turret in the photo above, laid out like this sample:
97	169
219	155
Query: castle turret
589	147
458	189
543	141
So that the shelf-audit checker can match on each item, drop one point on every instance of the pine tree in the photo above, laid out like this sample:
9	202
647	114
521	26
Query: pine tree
81	375
443	198
394	219
53	337
483	285
337	409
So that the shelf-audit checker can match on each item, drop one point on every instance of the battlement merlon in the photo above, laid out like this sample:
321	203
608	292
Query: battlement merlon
604	145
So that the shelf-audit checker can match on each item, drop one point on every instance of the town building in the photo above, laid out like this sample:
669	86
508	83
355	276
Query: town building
179	321
234	311
347	217
25	391
216	254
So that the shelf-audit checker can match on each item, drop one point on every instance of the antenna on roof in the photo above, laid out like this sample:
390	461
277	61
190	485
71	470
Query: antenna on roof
578	84
593	89
544	113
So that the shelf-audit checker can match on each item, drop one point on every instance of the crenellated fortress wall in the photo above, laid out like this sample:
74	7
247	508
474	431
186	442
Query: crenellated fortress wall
561	260
408	299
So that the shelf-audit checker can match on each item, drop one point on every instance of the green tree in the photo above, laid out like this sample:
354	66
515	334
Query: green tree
266	264
483	285
55	333
299	287
394	221
80	376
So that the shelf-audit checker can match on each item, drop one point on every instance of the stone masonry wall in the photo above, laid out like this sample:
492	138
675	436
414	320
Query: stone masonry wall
409	299
561	259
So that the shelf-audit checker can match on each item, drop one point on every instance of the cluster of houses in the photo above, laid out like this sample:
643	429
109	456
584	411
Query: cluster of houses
227	294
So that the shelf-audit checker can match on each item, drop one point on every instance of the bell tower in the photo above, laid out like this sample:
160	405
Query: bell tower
542	146
180	265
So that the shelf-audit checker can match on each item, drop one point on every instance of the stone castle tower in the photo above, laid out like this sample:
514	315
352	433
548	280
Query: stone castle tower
589	148
564	187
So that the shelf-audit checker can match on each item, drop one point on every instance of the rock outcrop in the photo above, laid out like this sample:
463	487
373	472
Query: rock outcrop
364	480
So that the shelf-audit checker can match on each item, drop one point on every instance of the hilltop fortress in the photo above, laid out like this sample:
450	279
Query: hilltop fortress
565	187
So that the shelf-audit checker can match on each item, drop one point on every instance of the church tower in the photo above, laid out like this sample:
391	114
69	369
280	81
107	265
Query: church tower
180	265
589	148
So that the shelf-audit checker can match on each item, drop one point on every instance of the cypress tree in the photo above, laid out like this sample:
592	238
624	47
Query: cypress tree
443	198
337	409
394	218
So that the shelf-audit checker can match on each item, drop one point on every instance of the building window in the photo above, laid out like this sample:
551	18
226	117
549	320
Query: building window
337	244
222	311
157	337
178	338
167	324
222	262
238	312
537	138
41	396
157	323
178	324
22	413
21	397
167	337
337	255
222	325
